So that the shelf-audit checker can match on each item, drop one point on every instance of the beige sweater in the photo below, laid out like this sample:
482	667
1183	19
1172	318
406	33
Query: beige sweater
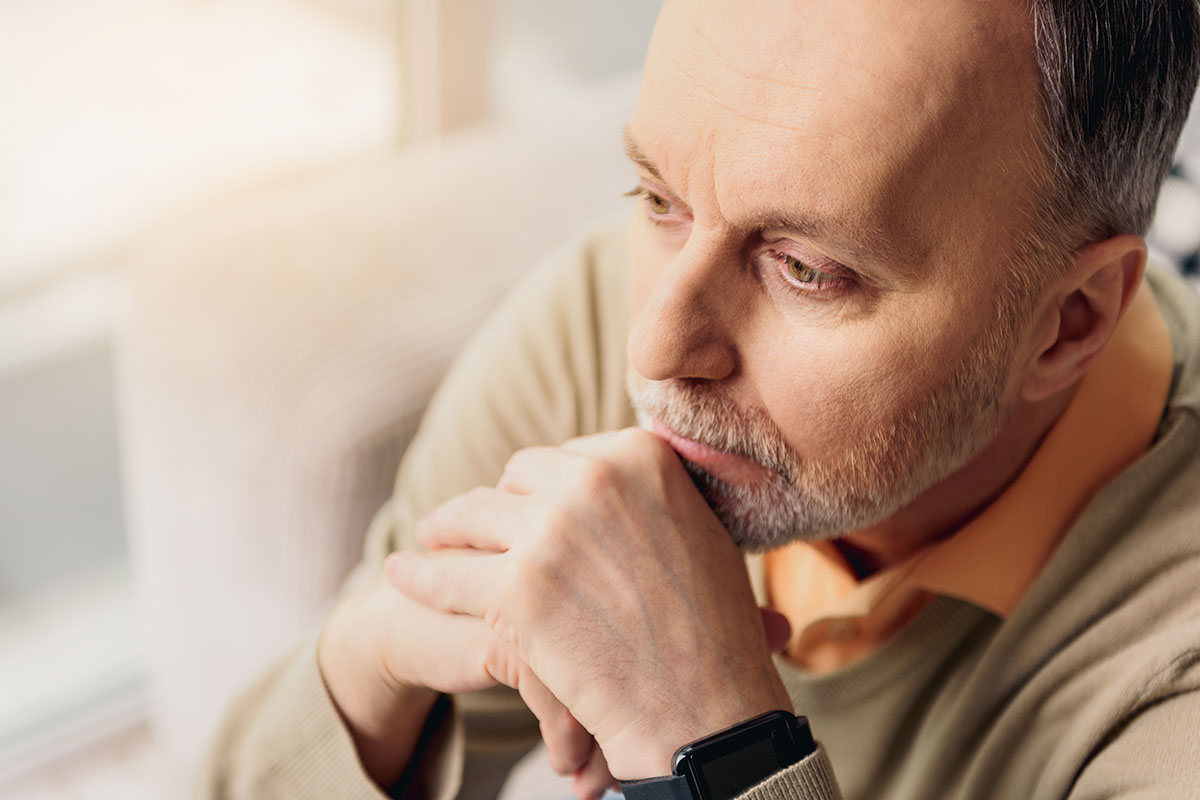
1090	690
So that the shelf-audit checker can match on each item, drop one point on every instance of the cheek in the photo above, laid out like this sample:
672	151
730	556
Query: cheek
821	404
831	387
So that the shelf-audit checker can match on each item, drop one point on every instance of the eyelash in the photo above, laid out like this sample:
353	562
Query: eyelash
821	281
644	195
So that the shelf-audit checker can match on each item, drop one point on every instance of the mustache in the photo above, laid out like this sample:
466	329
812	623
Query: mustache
703	413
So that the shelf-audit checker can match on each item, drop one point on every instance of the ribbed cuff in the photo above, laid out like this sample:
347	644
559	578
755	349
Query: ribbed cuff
811	779
312	755
438	775
309	752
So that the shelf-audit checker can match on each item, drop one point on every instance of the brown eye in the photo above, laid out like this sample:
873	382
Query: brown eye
657	204
799	270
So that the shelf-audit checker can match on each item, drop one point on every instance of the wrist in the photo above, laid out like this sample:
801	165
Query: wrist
647	751
383	716
723	765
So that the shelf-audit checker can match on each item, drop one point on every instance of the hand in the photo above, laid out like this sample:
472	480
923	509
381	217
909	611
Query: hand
384	660
592	779
608	574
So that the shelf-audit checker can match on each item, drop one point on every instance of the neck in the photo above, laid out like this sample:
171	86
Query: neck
953	502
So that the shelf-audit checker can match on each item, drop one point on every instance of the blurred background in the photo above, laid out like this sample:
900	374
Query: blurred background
240	241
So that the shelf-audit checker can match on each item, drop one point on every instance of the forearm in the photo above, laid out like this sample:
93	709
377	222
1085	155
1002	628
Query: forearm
384	721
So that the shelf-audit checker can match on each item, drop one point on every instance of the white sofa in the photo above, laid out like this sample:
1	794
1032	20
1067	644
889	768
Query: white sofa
275	359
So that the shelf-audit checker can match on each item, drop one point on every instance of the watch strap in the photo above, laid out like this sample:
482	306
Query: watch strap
670	787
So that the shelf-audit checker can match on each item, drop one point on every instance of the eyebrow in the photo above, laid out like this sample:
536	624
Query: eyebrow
865	243
635	154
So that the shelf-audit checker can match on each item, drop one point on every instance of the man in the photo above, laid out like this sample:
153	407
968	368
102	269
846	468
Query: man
885	322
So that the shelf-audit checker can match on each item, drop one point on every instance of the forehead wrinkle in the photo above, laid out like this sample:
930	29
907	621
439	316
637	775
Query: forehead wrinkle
717	99
750	76
731	66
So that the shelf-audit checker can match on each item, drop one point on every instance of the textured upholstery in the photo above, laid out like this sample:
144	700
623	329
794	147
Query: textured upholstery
277	354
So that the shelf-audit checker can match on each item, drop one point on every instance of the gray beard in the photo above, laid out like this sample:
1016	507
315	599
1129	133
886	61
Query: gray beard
764	516
784	508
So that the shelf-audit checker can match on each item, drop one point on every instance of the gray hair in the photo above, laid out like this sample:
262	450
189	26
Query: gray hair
1117	79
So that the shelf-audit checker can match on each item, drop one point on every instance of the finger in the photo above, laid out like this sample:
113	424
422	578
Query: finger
614	444
457	584
457	663
593	779
531	468
482	519
777	628
453	648
594	445
568	744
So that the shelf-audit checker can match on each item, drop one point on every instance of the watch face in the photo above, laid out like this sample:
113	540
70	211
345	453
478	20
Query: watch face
730	775
722	766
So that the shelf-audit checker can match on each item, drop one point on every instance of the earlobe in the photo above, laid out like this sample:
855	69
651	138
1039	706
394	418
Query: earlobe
1085	306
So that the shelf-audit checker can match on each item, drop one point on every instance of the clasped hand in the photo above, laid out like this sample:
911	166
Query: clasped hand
602	571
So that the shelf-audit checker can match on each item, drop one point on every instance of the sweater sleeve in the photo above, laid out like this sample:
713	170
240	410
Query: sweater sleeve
811	779
1154	755
549	365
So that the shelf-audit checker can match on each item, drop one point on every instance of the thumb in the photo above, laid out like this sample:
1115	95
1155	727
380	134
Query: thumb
777	628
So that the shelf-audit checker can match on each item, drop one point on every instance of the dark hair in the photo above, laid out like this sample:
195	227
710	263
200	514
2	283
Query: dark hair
1117	79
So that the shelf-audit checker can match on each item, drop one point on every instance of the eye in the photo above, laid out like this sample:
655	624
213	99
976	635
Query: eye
658	208
800	271
656	204
802	278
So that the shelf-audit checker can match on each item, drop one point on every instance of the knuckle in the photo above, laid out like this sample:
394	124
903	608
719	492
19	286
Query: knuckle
474	497
465	504
632	437
499	663
530	593
643	447
529	574
556	525
512	466
457	507
523	457
638	442
597	477
515	460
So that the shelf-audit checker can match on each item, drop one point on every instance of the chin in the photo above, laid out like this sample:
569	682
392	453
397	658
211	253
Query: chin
773	513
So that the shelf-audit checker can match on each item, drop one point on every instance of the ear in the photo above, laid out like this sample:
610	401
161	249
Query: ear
1083	309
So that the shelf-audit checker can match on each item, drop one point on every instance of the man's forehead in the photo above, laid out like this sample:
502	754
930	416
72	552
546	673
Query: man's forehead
849	101
800	50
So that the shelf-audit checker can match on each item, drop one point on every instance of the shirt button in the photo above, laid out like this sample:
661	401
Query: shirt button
842	630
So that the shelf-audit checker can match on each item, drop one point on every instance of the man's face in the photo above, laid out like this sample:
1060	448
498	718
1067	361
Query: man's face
829	194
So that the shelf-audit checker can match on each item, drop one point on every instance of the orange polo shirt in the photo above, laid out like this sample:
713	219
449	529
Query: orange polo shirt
994	559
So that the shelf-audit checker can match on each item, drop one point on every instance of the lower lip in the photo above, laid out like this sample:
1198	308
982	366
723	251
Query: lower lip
729	467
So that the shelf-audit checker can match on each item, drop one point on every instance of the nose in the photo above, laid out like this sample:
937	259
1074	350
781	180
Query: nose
683	330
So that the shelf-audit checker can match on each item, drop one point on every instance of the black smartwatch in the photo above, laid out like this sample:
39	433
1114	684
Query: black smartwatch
722	766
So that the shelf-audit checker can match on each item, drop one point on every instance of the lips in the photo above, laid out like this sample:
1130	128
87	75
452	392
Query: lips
728	467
